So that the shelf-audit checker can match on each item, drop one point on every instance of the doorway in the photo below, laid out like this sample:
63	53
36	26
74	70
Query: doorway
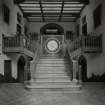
82	61
21	64
7	71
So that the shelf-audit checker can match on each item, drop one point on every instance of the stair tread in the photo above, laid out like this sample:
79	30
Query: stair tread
51	72
54	85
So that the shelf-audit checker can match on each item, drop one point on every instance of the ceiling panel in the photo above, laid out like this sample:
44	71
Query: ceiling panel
52	10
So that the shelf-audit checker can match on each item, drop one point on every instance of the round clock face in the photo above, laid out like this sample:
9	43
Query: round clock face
52	45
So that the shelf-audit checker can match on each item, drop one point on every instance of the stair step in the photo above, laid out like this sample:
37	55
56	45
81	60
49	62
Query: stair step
64	86
54	64
53	68
55	59
52	80
47	69
51	74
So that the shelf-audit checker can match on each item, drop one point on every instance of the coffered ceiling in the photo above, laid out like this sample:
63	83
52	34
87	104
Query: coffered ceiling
52	10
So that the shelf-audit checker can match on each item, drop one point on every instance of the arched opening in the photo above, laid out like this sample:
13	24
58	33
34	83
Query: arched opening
83	63
52	28
52	37
20	72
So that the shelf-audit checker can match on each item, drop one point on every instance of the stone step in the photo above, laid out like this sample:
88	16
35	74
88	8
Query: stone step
70	86
53	62
50	71
57	59
51	56
51	68
55	70
53	80
51	74
50	83
53	65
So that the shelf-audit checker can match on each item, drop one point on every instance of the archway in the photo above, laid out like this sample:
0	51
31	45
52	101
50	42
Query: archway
83	63
20	73
52	28
52	37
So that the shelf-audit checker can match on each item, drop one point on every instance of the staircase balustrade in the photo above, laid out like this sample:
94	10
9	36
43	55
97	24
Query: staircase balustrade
17	41
35	60
87	42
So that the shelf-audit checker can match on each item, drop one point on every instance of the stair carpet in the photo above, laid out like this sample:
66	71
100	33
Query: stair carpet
51	73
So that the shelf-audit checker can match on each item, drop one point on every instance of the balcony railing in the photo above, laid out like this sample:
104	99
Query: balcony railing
87	44
17	43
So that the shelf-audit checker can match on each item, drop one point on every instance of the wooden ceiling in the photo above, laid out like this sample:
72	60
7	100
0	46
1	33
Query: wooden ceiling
52	10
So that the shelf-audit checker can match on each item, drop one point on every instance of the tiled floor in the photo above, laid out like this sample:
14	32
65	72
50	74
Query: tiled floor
15	94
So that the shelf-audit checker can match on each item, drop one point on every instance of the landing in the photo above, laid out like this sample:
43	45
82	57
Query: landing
15	94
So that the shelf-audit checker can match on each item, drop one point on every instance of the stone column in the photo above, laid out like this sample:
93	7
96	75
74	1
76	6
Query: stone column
32	70
80	76
25	74
75	69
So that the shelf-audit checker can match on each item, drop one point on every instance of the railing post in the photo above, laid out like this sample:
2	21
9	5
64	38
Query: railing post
100	42
83	42
21	41
3	43
75	69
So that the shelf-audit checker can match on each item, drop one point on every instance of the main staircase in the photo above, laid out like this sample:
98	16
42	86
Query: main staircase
53	72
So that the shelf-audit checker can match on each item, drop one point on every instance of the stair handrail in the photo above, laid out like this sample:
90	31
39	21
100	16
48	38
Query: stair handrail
18	40
34	61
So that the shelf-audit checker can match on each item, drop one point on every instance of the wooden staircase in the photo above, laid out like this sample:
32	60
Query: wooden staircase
53	72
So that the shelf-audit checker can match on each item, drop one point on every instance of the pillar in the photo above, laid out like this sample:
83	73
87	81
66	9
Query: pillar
75	69
80	75
25	73
32	69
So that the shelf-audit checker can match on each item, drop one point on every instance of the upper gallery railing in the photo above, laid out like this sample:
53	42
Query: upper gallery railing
17	41
87	42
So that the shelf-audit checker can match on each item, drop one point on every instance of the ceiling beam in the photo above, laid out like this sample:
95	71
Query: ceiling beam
41	8
84	1
49	21
18	1
81	1
51	14
67	9
61	11
54	0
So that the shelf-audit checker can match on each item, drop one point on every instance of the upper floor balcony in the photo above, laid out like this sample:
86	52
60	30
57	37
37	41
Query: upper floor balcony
86	44
17	44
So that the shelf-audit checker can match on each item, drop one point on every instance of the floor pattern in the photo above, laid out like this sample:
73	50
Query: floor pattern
16	94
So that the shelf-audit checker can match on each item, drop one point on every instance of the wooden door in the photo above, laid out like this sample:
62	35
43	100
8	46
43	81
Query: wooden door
7	70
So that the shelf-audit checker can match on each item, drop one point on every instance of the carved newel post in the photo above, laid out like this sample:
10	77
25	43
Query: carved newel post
75	69
25	73
80	76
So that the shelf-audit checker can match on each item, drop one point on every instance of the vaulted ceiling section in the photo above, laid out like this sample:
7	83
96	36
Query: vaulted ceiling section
51	10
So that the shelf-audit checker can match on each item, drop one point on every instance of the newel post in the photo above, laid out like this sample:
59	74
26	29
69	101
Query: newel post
80	75
75	69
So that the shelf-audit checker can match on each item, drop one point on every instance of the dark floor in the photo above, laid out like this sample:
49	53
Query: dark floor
15	94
